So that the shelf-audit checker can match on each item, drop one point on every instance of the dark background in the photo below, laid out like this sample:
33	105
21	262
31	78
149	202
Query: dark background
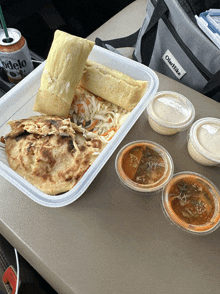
38	19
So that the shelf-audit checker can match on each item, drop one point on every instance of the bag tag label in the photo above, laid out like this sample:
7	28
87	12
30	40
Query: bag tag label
173	64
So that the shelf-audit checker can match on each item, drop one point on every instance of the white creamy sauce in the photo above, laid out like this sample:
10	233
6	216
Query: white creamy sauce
209	137
171	109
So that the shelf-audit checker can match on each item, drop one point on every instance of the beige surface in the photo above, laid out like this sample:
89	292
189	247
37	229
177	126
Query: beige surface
112	240
122	24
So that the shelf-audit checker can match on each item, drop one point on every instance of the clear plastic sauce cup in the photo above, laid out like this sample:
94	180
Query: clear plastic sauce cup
204	141
170	112
144	166
192	203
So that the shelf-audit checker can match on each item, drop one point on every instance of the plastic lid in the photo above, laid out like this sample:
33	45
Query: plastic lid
212	17
171	109
209	22
205	136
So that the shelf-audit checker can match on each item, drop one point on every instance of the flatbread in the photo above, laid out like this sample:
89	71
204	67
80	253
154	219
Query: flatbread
51	153
112	85
62	72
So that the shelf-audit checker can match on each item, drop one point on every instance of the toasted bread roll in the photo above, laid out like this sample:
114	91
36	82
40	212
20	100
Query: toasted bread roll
112	85
62	73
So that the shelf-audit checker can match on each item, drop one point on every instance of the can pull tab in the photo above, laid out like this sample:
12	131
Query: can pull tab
10	279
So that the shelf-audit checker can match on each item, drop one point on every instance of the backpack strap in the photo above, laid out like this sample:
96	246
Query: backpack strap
149	37
212	88
128	41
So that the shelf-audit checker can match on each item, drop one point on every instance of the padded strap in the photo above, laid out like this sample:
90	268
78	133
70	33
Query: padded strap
128	41
212	88
149	37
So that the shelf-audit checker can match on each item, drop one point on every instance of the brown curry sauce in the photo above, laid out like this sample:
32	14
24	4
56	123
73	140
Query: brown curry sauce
192	201
143	165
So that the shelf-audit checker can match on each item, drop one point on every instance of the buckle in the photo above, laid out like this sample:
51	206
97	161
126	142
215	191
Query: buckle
10	279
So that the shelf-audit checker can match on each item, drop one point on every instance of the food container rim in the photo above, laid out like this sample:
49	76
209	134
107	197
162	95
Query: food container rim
11	101
182	125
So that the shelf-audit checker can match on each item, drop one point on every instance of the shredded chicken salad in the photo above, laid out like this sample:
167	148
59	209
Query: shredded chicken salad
96	114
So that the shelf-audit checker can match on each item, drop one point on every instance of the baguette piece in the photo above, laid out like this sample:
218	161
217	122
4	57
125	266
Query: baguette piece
62	73
112	85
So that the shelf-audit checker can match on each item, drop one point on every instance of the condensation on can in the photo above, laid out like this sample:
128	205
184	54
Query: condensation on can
14	55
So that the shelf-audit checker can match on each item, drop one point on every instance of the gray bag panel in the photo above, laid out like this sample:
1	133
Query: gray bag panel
192	75
193	38
170	27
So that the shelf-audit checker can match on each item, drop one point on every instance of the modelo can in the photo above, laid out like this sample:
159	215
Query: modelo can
15	55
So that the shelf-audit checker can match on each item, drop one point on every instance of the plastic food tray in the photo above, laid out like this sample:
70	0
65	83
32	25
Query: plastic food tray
18	104
209	22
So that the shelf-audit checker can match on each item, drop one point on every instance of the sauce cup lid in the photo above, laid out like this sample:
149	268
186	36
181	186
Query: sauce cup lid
196	180
205	137
150	187
171	110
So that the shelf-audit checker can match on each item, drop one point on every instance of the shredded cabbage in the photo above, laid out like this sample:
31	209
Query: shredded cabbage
96	114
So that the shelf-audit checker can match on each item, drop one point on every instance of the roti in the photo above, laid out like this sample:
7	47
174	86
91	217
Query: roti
50	152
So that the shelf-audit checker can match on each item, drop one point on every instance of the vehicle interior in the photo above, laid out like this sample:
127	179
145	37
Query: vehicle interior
37	21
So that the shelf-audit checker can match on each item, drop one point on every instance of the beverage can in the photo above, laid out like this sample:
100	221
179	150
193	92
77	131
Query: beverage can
14	55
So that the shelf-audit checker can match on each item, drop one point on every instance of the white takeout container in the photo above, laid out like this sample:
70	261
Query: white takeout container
18	104
170	112
204	141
